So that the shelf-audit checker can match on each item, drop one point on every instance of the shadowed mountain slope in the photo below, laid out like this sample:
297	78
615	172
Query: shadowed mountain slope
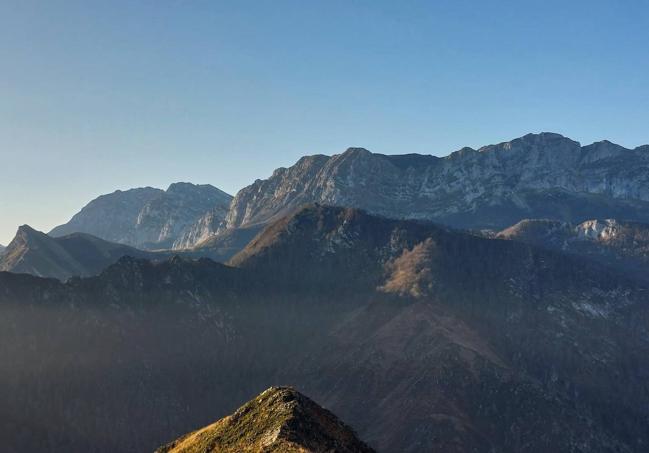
36	253
279	420
222	247
422	338
619	244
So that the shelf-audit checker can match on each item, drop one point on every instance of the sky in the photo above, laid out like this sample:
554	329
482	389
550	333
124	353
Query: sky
103	95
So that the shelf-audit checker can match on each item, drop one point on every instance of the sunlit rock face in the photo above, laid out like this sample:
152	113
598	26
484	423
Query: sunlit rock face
151	218
202	229
536	176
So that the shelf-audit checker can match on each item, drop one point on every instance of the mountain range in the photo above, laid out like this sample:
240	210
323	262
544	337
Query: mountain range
149	218
279	420
490	300
540	176
536	176
421	337
617	244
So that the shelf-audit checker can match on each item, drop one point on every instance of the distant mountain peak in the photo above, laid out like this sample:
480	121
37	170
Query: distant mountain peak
279	420
181	186
191	189
356	151
152	218
78	254
27	229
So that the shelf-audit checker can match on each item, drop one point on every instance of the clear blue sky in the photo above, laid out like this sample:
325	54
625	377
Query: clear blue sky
101	95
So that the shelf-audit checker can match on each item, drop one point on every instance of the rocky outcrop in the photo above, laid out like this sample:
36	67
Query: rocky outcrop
279	420
172	217
150	218
111	217
203	228
619	244
539	175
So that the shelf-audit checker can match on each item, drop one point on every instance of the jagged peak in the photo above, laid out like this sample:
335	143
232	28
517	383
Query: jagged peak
304	162
26	233
27	229
280	419
313	158
309	161
183	185
606	144
355	152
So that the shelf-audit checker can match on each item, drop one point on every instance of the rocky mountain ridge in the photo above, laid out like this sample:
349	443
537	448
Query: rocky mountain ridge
81	255
541	175
150	218
538	175
279	420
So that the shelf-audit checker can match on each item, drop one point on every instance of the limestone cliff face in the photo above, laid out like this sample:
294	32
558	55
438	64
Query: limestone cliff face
170	218
149	218
538	175
202	229
111	217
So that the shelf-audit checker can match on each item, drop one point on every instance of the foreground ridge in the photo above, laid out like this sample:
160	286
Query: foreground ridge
280	419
